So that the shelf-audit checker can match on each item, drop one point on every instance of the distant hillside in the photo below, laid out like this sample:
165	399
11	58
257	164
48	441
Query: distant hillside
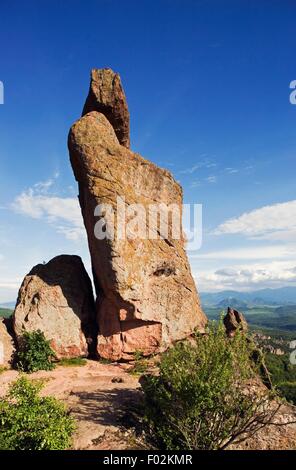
5	312
280	296
263	317
289	310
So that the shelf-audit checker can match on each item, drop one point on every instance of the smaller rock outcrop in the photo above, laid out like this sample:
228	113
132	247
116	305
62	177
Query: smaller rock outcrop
106	96
7	348
234	321
57	299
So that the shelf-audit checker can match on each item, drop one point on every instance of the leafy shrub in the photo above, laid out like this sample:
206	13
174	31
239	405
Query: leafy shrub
31	422
198	401
34	353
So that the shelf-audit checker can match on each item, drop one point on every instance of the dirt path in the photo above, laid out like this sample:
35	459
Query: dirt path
98	396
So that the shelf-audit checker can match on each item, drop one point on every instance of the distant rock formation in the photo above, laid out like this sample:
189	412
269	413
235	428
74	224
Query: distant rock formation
57	299
234	321
7	348
106	96
146	296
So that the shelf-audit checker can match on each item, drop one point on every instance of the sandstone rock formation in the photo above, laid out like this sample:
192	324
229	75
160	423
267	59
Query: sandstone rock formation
146	296
106	96
234	321
57	299
7	348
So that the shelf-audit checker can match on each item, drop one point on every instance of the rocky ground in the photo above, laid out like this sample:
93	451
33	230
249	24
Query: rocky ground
104	398
273	437
101	397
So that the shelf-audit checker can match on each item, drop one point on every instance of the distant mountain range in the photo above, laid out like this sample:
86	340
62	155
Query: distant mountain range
274	297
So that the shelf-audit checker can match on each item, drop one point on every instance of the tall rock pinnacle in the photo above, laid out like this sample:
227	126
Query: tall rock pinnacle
106	96
146	296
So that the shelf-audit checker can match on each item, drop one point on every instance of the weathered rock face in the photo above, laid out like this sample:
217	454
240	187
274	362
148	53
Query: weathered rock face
57	299
106	96
7	348
146	297
234	321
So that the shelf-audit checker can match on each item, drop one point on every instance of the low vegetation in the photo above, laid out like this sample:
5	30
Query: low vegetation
31	422
200	399
140	364
35	353
5	312
72	362
283	375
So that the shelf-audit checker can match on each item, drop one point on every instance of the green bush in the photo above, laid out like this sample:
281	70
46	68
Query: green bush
31	422
34	353
198	400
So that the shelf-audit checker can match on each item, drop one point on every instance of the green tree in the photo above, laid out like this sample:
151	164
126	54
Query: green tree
201	400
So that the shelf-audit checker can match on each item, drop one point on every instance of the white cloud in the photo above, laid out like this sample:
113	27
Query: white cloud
202	164
211	179
63	213
9	285
195	184
231	171
72	233
192	169
246	277
274	222
249	253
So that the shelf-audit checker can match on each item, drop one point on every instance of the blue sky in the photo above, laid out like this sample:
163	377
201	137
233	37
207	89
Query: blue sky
207	84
